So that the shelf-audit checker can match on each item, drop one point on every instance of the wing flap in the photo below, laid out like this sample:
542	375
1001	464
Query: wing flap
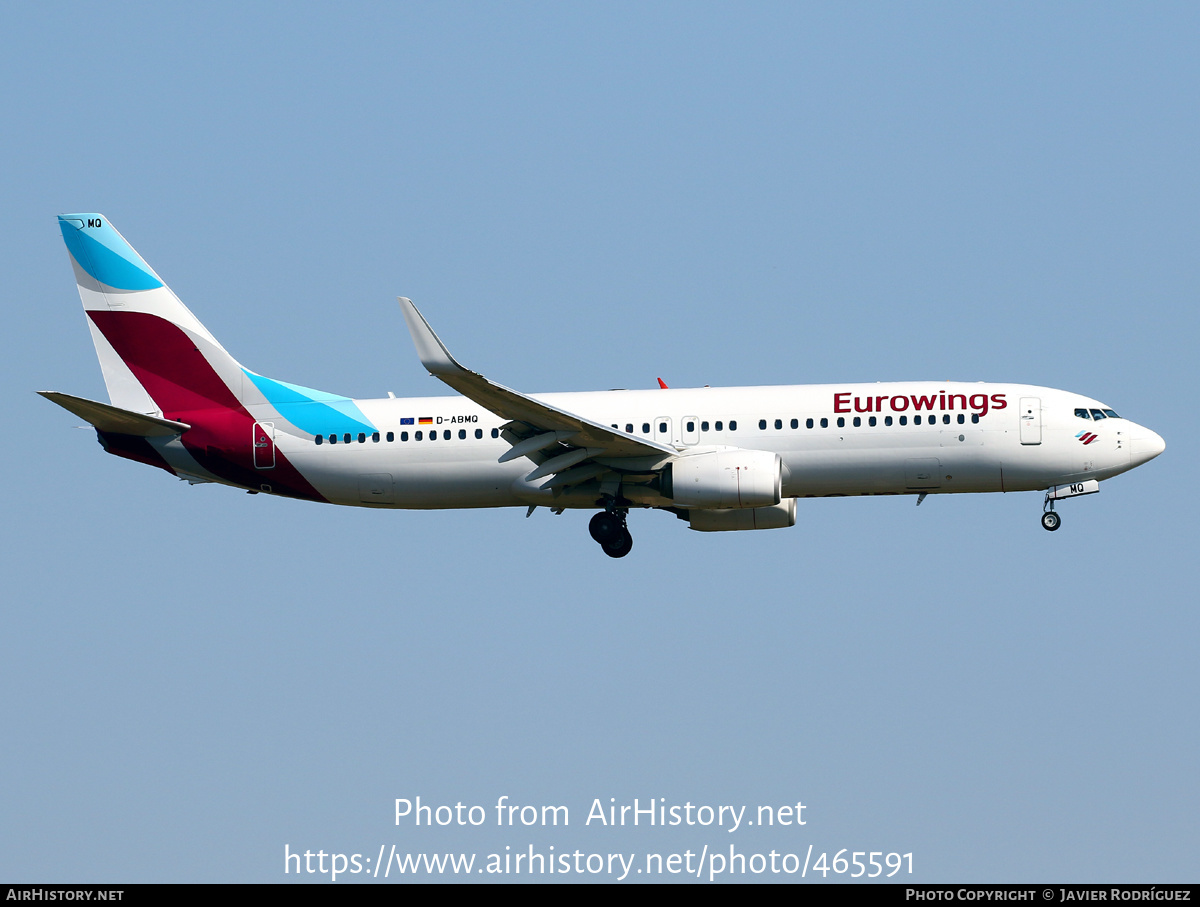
561	462
534	444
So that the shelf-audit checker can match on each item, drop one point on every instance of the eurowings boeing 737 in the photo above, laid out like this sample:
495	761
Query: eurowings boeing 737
720	458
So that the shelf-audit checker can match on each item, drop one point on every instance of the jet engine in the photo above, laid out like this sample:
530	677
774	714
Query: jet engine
725	479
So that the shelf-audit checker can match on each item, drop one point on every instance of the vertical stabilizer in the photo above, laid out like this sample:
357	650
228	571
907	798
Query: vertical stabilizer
156	356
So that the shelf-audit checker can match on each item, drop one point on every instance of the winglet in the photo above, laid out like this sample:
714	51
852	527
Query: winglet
662	384
539	417
432	352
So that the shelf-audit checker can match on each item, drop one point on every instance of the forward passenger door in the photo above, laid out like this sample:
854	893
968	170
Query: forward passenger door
1031	420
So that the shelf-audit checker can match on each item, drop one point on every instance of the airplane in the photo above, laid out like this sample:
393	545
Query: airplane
722	459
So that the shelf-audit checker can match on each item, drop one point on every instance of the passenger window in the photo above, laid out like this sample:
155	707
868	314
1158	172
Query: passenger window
974	418
320	439
403	436
824	422
808	423
704	426
841	421
495	432
362	437
333	439
614	425
662	427
795	423
375	437
961	418
478	433
1098	414
391	436
691	426
904	420
732	425
871	421
858	421
762	424
916	420
419	436
629	428
462	434
346	437
645	428
945	418
778	424
1082	414
887	420
720	425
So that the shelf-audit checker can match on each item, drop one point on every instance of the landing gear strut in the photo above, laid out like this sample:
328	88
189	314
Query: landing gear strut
1050	519
609	529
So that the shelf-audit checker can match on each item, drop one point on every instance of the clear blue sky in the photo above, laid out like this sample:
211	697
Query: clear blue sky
584	197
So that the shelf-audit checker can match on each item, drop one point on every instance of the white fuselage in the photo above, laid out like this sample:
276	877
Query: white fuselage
962	438
724	459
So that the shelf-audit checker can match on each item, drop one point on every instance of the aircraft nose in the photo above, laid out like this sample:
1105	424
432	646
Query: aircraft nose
1144	446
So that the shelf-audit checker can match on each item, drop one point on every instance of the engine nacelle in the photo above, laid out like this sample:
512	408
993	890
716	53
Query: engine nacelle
726	479
781	516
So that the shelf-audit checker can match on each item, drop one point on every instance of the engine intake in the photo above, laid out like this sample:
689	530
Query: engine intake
726	479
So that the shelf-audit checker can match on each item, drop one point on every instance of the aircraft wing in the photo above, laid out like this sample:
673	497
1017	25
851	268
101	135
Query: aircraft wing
113	419
553	438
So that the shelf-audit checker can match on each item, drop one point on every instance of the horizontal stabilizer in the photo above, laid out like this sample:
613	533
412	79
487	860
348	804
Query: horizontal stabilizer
114	420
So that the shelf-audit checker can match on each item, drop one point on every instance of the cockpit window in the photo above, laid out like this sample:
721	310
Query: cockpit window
1098	414
1082	414
1111	414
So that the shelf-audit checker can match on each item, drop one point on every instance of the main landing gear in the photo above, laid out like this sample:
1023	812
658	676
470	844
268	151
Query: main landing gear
609	529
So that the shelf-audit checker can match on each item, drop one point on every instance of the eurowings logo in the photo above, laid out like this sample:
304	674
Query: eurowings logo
1086	437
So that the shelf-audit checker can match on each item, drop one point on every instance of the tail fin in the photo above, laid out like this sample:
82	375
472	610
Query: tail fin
156	356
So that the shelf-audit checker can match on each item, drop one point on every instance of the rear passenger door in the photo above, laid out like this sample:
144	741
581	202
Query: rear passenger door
263	441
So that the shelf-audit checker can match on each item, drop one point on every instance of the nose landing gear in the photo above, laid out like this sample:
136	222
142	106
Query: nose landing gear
609	529
1050	519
